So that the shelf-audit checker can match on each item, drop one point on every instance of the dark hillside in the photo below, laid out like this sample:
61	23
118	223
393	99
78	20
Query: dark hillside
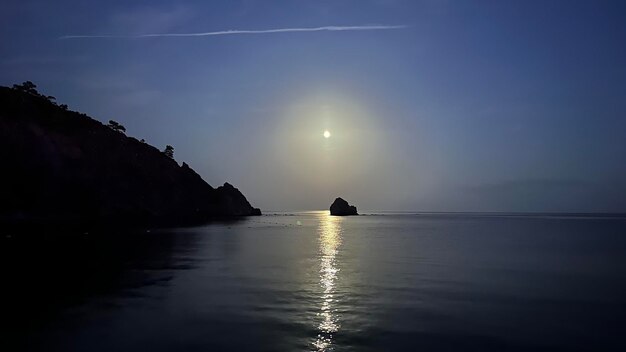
63	167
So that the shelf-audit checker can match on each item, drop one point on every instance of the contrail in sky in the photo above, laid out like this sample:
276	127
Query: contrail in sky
228	32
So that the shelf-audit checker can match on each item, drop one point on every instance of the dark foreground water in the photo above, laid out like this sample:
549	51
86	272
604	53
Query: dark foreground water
312	282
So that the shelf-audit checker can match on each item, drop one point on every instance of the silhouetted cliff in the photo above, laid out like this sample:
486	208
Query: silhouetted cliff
63	167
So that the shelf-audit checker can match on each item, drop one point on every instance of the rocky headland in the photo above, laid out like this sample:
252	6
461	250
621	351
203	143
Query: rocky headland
61	167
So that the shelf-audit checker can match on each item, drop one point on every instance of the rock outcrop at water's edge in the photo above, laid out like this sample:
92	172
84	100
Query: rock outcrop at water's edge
341	208
62	167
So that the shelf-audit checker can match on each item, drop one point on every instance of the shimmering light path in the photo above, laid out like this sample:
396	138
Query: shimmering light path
330	241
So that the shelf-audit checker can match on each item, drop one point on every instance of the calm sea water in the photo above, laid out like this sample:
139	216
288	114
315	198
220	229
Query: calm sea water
312	282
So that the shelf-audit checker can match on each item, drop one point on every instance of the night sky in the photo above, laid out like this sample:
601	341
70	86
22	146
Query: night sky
440	106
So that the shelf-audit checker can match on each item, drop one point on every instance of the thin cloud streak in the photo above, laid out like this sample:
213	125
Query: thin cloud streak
229	32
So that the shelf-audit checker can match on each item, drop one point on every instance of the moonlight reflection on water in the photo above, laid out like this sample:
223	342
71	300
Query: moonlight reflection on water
330	240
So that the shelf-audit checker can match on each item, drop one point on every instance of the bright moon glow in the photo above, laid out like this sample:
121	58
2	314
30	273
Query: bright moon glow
326	134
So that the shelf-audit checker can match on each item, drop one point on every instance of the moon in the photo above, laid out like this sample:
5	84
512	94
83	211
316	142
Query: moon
326	134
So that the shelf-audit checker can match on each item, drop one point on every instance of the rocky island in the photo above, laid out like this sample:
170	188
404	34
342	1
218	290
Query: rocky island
341	208
61	167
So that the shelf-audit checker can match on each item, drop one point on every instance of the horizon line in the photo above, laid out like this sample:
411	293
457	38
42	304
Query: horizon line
500	212
237	31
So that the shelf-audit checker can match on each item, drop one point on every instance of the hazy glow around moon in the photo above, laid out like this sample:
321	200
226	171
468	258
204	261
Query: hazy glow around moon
326	134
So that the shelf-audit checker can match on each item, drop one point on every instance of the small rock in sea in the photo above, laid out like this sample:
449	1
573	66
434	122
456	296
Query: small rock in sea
341	208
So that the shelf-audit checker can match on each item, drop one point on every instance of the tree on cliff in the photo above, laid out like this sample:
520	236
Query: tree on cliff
28	87
169	151
116	126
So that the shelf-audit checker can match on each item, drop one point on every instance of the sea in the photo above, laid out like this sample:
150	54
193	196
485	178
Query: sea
308	281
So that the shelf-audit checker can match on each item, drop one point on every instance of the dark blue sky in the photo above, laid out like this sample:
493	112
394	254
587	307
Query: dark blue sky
475	106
